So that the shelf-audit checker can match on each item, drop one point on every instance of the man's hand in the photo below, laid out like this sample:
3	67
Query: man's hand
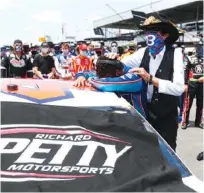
80	82
142	72
112	55
201	80
89	79
50	75
37	73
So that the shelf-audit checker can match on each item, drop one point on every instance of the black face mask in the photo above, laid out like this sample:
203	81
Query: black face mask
34	53
26	49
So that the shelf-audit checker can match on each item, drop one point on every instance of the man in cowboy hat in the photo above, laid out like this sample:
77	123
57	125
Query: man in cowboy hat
161	66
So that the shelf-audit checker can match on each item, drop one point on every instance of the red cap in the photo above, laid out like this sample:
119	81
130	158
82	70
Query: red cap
83	47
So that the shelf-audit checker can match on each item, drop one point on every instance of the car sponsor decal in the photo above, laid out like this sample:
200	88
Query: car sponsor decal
37	152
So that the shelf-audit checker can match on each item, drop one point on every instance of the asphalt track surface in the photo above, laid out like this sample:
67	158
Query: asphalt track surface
189	144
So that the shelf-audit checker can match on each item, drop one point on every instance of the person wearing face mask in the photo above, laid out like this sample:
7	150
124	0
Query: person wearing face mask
82	61
57	50
43	64
51	49
114	47
195	89
16	63
34	52
72	49
64	62
92	53
131	50
161	66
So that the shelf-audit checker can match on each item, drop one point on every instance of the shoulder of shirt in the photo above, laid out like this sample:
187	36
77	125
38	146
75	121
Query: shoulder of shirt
177	50
37	56
11	55
140	51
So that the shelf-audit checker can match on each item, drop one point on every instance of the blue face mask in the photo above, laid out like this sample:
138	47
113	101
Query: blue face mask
18	48
155	43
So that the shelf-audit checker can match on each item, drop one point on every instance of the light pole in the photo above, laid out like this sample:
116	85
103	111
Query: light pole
116	13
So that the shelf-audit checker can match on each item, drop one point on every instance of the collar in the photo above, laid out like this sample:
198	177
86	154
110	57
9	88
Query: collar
160	53
68	55
13	55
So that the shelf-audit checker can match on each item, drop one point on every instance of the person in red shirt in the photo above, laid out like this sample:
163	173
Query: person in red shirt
82	62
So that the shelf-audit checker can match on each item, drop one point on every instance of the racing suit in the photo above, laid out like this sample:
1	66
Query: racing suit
63	64
81	63
129	86
195	90
183	99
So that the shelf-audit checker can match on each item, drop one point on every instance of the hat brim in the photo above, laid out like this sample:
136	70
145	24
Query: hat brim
168	27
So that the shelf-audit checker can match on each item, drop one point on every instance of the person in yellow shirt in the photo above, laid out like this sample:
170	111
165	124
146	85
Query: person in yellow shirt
131	50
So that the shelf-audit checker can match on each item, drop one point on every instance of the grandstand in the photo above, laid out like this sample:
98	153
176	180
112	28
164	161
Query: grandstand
186	14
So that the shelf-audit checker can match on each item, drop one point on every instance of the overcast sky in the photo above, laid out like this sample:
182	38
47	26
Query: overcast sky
30	19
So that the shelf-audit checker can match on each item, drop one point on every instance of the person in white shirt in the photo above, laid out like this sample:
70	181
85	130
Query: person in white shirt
63	62
161	66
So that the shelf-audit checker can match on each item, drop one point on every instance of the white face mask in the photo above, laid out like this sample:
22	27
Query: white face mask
44	50
65	51
114	50
83	53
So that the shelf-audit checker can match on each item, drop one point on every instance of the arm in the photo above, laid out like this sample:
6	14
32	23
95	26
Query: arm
37	72
126	69
187	70
127	83
91	65
86	74
176	87
135	59
35	67
5	64
57	66
53	69
82	77
201	80
29	64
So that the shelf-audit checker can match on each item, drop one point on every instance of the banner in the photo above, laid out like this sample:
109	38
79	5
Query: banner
63	149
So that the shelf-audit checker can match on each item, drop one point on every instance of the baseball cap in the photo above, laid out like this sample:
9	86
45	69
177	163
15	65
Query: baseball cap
83	47
18	42
44	45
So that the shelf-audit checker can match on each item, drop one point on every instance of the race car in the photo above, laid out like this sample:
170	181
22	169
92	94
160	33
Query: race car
37	114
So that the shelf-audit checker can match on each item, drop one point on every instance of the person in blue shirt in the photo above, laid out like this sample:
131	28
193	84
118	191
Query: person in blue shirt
57	50
91	52
72	49
112	76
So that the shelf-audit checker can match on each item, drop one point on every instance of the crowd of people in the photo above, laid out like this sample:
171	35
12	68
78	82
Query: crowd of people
156	79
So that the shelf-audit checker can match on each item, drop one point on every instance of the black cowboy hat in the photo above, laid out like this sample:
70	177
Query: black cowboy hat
160	22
